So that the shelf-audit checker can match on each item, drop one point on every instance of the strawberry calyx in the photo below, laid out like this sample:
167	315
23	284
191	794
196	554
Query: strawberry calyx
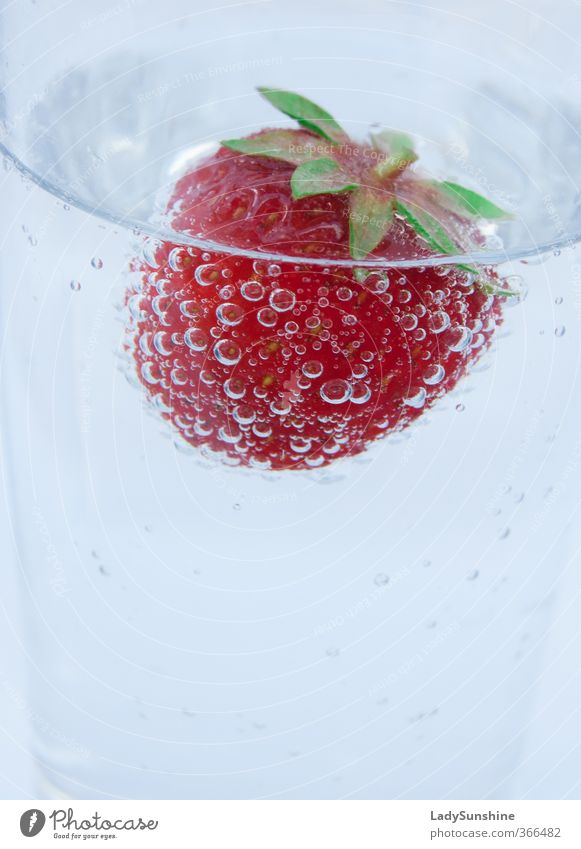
379	178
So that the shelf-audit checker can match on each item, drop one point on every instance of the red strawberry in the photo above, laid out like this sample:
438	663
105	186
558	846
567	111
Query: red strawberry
291	364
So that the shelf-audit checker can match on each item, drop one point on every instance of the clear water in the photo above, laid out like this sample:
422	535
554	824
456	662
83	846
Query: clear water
368	630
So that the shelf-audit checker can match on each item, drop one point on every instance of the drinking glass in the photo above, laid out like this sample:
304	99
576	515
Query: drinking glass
366	628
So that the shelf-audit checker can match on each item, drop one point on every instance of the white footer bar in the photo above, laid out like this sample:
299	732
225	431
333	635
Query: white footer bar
293	824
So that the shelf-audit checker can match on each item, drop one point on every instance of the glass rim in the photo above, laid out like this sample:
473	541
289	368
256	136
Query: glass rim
165	234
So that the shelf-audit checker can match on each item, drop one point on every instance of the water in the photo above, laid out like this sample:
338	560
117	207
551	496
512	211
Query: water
367	629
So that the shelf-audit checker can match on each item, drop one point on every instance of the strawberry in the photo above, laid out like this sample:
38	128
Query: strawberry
281	363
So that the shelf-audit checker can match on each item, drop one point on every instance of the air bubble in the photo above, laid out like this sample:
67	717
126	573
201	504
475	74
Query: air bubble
300	445
344	293
148	372
409	322
149	250
227	352
439	321
206	275
461	338
244	414
336	391
196	339
179	376
190	309
234	388
282	300
267	317
176	259
161	344
433	374
416	398
229	436
312	369
262	430
361	393
359	371
252	290
230	314
280	407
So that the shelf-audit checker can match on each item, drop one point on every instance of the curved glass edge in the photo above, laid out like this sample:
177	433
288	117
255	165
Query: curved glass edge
174	237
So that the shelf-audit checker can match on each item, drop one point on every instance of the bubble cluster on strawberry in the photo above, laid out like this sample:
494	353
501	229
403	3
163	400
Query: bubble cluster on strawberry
293	362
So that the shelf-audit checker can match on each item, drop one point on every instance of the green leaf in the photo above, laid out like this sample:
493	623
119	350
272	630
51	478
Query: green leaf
464	201
370	217
307	113
428	227
399	149
291	146
320	177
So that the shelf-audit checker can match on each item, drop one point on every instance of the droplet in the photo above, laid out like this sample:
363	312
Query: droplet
230	314
75	285
312	369
252	290
416	398
504	533
381	579
332	652
97	262
460	408
282	300
336	391
227	352
560	331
